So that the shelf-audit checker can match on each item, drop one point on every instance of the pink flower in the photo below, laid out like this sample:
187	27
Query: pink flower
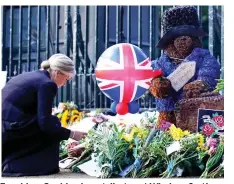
219	120
211	142
207	129
212	150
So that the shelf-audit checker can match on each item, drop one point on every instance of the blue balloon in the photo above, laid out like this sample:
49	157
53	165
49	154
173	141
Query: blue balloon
133	107
113	107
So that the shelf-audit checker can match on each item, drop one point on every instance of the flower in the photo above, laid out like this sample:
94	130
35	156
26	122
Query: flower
211	142
176	133
75	118
141	133
201	142
122	124
212	150
61	107
164	125
75	111
59	115
129	137
68	113
186	133
64	119
99	118
219	120
207	129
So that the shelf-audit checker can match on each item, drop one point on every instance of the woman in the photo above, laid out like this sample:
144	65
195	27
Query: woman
30	134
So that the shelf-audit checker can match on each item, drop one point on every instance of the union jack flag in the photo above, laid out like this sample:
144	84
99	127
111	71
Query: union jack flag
124	73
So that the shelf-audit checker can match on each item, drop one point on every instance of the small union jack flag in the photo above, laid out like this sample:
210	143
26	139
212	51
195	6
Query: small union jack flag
124	73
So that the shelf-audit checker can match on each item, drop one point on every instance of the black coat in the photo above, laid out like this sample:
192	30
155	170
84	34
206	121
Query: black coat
30	134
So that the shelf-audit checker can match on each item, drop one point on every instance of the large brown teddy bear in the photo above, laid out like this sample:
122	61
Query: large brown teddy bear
181	43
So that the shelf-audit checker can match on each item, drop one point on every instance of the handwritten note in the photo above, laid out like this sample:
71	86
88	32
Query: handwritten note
182	75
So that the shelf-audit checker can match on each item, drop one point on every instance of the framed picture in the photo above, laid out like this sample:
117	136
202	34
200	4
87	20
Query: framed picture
210	122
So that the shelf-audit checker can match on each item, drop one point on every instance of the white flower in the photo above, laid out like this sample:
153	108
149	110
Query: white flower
72	104
61	107
55	111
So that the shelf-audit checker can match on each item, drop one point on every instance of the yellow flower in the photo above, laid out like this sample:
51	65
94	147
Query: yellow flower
141	133
59	116
75	111
129	137
65	118
75	118
186	133
176	133
201	142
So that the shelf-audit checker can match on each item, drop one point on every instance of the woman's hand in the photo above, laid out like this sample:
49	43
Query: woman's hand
77	135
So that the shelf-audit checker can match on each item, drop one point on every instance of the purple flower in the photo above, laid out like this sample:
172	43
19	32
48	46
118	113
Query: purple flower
165	125
99	118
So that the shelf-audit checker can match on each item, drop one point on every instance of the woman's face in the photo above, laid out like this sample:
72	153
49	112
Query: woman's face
60	79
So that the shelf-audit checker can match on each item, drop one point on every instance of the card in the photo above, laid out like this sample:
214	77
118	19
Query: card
210	122
91	168
67	162
182	75
175	146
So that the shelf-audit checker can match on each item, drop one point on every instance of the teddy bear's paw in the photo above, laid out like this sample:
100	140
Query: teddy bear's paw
160	87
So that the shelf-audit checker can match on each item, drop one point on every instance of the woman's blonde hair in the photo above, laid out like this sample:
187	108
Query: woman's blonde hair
60	62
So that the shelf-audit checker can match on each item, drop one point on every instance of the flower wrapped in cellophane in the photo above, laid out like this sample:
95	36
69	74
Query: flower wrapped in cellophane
68	113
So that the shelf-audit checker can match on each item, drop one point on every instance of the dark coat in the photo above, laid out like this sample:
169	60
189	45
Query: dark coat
30	134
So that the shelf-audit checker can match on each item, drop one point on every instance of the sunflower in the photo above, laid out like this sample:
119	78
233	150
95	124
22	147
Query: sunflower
59	115
75	112
75	118
64	119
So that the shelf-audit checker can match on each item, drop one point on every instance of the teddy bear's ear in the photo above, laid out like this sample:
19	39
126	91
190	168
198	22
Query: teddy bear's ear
179	21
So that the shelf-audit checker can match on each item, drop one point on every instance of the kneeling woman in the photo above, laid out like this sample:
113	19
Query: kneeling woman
30	134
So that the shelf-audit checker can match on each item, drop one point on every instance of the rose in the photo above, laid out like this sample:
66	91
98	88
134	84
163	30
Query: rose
72	151
219	120
207	129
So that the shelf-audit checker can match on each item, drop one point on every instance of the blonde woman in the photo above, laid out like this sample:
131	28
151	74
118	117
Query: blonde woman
30	134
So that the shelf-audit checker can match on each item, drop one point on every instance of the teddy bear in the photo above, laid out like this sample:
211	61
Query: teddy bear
181	42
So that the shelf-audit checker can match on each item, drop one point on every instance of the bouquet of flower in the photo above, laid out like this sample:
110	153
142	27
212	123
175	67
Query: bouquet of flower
68	113
172	152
